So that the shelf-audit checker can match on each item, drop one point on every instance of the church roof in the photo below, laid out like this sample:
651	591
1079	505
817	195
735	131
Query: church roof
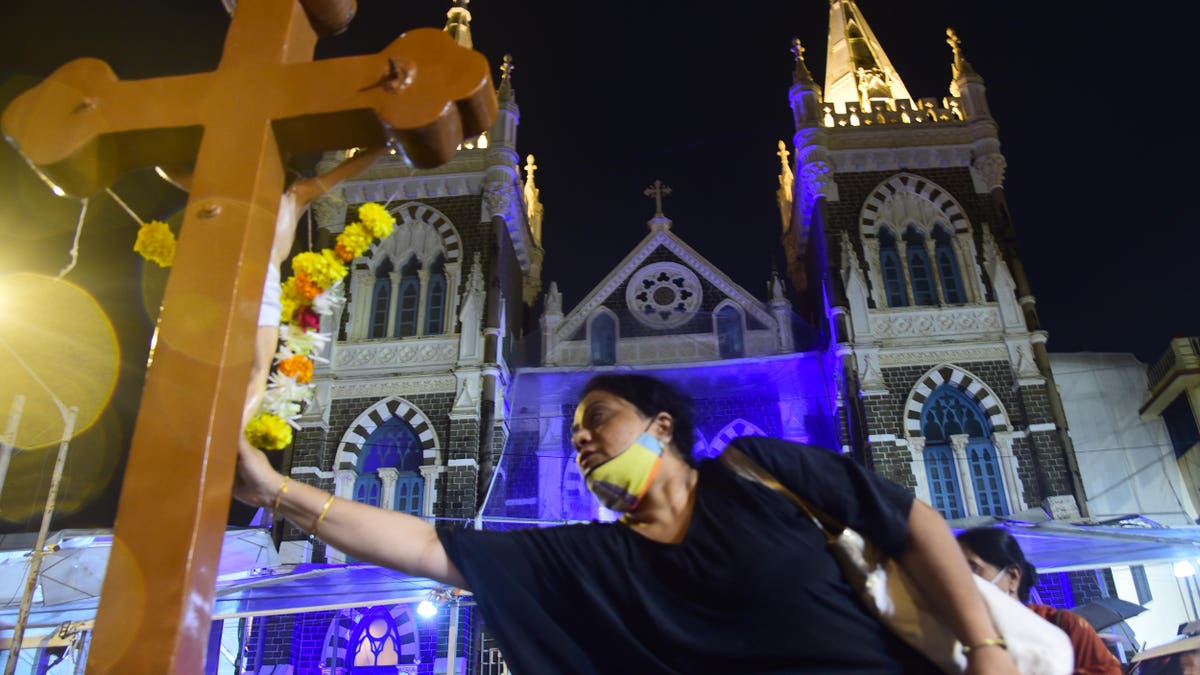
660	239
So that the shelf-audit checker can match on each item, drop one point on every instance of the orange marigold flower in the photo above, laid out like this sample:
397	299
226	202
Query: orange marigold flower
306	288
343	253
299	368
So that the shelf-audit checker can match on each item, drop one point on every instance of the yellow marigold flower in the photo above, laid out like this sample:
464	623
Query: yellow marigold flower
268	432
354	239
322	269
156	243
376	219
299	368
291	299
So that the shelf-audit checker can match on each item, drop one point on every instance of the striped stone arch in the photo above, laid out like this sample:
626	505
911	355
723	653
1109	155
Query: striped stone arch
738	427
416	212
371	419
335	653
965	382
941	201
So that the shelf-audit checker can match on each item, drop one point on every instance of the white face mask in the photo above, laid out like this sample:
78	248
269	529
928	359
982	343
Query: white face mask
999	575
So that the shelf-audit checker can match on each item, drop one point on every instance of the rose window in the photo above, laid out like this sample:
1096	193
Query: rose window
663	295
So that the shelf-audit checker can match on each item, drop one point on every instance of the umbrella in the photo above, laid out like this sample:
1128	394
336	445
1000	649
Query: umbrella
1105	612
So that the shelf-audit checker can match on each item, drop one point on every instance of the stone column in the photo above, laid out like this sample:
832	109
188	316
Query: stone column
387	492
393	300
422	288
1002	441
959	443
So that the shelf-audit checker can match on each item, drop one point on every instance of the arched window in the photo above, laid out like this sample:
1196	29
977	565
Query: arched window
947	267
366	489
375	642
381	296
435	298
893	272
394	445
407	296
603	336
985	476
919	270
408	493
946	413
729	333
944	492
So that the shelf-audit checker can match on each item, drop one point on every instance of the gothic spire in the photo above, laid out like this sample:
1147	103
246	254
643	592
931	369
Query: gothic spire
856	68
458	23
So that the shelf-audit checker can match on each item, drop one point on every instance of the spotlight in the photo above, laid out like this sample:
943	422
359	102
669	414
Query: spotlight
426	609
1184	568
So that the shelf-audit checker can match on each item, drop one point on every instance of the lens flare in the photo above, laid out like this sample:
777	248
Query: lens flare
57	346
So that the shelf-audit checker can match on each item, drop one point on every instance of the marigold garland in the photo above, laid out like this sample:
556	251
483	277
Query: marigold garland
313	291
156	243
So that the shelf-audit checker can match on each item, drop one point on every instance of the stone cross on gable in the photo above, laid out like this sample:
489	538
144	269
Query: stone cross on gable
657	191
82	128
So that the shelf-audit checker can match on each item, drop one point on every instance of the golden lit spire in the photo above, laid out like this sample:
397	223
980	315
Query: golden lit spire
533	201
458	23
787	181
856	68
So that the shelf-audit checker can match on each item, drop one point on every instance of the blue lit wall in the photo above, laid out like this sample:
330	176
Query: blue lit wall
536	481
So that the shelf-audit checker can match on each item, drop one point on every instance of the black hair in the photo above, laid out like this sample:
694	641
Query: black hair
652	396
997	547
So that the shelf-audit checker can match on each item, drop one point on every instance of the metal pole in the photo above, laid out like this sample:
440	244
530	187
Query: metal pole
10	436
35	564
452	639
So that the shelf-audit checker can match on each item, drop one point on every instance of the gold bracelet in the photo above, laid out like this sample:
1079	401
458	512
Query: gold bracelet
990	642
324	509
280	493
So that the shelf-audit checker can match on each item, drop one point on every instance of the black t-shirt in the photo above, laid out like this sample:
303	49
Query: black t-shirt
750	589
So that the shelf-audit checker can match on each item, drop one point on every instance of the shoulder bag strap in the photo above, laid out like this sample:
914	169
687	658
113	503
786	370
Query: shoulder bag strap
742	465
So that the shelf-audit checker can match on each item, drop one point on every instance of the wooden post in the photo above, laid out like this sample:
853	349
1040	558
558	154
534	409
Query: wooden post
83	127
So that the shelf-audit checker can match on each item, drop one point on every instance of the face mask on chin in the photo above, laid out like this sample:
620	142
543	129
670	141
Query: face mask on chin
621	482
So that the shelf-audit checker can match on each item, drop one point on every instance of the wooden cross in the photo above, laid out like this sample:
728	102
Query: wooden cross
657	190
82	128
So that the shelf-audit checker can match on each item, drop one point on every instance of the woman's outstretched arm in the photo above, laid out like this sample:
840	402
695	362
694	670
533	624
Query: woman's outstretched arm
388	538
936	564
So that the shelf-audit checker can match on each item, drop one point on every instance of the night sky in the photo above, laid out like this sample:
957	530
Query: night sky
1089	98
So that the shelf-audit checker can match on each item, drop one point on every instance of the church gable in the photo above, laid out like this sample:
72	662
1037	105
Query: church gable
662	291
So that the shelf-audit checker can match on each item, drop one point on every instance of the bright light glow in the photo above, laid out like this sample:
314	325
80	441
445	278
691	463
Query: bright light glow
57	345
426	609
1184	568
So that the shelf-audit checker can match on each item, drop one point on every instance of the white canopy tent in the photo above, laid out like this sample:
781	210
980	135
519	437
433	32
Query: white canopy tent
251	581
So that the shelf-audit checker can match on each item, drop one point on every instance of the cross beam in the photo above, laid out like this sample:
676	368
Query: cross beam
83	127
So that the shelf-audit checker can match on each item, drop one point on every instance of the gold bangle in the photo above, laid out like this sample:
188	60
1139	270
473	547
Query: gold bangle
324	509
990	642
280	493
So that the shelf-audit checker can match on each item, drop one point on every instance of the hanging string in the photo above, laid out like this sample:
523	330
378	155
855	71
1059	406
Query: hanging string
75	244
125	206
308	216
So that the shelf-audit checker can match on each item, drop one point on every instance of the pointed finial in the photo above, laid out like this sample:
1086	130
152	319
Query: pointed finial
657	190
783	155
961	65
800	75
505	90
506	68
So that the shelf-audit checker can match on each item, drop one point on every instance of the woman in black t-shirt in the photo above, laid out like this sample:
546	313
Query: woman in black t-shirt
704	572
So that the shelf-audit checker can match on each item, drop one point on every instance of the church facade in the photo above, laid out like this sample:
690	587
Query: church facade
903	332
